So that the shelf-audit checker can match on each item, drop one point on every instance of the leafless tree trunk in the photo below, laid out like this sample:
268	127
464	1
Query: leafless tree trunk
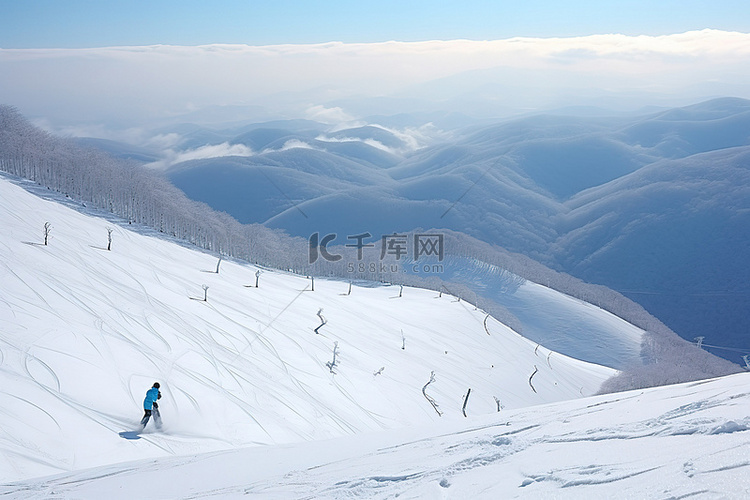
532	376
218	264
109	238
497	402
466	400
205	293
47	230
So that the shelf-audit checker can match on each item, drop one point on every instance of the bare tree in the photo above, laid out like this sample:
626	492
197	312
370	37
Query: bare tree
218	264
485	324
205	293
47	230
333	363
257	277
403	340
428	398
109	238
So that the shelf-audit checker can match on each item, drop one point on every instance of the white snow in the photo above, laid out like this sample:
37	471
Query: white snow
567	324
250	406
686	441
86	332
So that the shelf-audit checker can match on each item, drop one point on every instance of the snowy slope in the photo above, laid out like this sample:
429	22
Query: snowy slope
560	322
85	331
685	441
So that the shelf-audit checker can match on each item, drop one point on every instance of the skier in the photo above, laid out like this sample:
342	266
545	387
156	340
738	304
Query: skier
150	405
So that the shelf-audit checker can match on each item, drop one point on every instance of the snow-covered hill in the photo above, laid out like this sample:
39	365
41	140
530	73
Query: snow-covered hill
86	331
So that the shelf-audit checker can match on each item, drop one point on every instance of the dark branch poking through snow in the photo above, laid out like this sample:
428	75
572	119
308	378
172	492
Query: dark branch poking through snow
532	376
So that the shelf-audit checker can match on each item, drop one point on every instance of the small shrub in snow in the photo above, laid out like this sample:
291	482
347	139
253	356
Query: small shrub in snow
497	402
333	363
322	321
428	398
531	377
466	400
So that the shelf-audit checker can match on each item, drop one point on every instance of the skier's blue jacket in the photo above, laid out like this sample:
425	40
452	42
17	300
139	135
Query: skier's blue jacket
151	396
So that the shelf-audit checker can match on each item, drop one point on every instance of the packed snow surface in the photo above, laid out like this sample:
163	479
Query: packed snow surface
560	322
685	441
86	331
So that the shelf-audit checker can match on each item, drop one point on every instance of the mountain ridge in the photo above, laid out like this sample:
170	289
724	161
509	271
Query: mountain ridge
519	184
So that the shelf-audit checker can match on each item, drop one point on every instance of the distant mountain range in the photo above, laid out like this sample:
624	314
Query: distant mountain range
655	206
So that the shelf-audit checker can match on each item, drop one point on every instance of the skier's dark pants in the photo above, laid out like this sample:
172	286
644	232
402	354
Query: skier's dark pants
146	416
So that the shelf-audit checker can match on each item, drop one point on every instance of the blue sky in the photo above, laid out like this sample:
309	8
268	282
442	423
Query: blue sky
115	64
86	23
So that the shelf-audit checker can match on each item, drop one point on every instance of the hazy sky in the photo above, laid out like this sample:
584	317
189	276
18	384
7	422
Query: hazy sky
99	23
117	64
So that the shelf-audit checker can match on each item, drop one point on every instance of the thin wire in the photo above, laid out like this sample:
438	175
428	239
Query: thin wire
726	348
685	294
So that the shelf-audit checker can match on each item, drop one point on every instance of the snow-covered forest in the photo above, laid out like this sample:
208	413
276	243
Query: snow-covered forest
136	195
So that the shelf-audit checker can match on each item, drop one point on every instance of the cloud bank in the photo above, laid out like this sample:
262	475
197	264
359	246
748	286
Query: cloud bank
171	156
142	83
